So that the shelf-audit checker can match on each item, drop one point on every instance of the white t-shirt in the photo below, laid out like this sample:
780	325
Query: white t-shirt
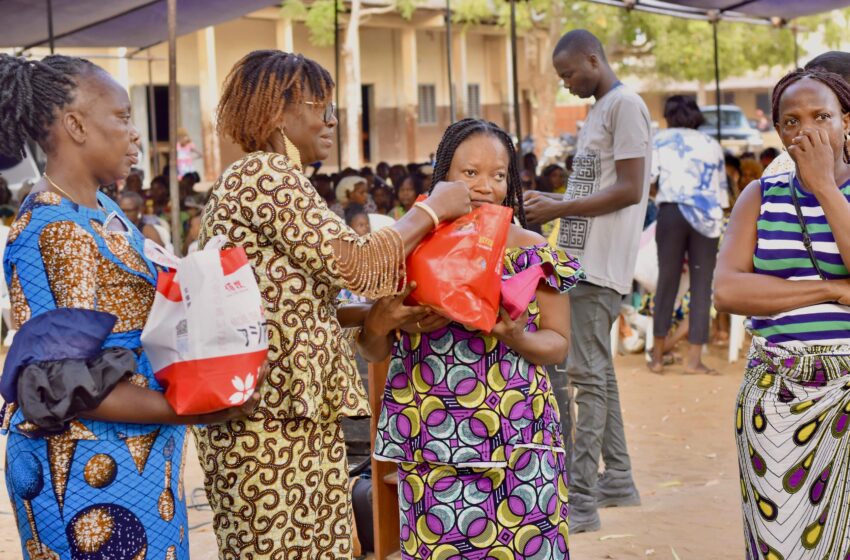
617	127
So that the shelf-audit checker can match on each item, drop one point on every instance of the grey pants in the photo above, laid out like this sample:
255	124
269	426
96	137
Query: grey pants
675	237
590	370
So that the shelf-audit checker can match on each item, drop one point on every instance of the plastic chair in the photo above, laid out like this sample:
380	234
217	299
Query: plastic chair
736	336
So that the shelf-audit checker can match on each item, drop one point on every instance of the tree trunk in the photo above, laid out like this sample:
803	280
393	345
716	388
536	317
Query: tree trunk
544	81
353	93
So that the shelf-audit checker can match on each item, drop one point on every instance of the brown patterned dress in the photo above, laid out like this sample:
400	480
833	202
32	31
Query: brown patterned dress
278	482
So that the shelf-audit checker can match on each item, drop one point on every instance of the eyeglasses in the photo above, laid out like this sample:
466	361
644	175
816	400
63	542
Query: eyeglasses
330	110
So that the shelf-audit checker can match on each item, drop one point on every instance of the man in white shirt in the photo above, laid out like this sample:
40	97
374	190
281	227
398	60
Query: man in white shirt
602	216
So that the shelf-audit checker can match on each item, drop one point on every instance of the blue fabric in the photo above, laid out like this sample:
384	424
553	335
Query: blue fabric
146	507
99	490
60	334
23	254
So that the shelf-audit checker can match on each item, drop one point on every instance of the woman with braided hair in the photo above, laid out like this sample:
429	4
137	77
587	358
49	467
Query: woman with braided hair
784	262
94	452
278	481
468	416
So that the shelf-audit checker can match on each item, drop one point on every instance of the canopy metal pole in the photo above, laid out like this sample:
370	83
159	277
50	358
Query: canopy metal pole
50	24
336	79
152	119
517	120
796	47
716	78
452	111
176	226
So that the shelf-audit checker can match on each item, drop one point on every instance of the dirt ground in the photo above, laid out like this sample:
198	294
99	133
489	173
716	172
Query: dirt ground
679	431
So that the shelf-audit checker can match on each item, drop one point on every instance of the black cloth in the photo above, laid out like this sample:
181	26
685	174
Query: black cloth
675	237
52	393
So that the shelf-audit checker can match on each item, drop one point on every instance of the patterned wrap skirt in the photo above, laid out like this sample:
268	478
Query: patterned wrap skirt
91	499
278	489
791	426
517	512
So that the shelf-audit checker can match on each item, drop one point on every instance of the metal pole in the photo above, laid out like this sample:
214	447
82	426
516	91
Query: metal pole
452	112
50	24
517	119
336	79
176	226
716	78
152	119
796	47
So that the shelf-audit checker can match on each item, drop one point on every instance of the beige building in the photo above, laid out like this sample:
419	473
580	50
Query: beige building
405	87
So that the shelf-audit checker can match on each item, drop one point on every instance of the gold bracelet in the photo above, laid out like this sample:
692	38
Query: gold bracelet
430	211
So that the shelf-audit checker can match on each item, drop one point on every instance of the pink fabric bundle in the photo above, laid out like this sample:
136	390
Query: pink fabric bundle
519	290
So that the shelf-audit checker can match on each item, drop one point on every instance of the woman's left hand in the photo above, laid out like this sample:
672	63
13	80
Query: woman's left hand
390	313
508	330
815	160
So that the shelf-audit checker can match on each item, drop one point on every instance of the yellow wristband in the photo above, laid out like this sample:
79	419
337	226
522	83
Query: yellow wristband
430	211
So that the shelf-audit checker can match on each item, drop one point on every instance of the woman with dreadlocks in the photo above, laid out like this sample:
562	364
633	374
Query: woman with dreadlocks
469	416
94	452
784	262
278	482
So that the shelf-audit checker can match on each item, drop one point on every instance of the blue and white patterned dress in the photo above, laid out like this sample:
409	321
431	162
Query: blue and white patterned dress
690	169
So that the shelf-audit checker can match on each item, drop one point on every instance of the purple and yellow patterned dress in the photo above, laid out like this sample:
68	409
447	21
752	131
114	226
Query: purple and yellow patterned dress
476	432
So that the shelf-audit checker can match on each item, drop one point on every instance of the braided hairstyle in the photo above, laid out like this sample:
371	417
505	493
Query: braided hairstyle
32	95
260	88
454	136
833	81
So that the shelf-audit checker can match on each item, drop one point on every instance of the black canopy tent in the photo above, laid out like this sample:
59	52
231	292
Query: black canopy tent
138	24
761	12
145	23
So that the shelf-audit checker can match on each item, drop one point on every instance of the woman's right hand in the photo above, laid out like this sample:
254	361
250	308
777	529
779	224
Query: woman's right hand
243	410
450	200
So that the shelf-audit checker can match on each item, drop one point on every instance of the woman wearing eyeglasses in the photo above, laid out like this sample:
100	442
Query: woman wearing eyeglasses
278	481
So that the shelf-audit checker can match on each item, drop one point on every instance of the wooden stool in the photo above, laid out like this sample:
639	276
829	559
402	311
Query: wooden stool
384	477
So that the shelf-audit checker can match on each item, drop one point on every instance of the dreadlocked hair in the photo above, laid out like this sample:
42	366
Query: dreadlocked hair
32	95
260	88
833	81
455	135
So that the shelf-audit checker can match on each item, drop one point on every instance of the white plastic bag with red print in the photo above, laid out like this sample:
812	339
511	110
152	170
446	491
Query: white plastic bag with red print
206	334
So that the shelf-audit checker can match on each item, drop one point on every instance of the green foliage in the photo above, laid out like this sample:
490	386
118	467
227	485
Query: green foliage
318	16
640	43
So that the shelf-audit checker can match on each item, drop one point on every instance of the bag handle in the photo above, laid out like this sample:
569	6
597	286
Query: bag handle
215	243
807	240
159	255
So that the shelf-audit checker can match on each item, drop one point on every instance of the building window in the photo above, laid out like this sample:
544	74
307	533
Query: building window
473	101
427	104
728	97
763	102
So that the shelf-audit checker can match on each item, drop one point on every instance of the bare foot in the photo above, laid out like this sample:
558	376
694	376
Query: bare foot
701	369
655	366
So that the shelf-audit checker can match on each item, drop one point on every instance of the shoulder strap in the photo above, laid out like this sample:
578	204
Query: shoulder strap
807	241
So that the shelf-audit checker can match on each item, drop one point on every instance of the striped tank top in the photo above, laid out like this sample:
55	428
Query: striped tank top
780	252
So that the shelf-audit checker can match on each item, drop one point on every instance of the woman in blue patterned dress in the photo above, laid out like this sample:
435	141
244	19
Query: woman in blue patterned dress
784	263
468	416
101	480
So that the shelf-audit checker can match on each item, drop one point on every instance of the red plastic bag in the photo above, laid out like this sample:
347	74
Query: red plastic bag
458	267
